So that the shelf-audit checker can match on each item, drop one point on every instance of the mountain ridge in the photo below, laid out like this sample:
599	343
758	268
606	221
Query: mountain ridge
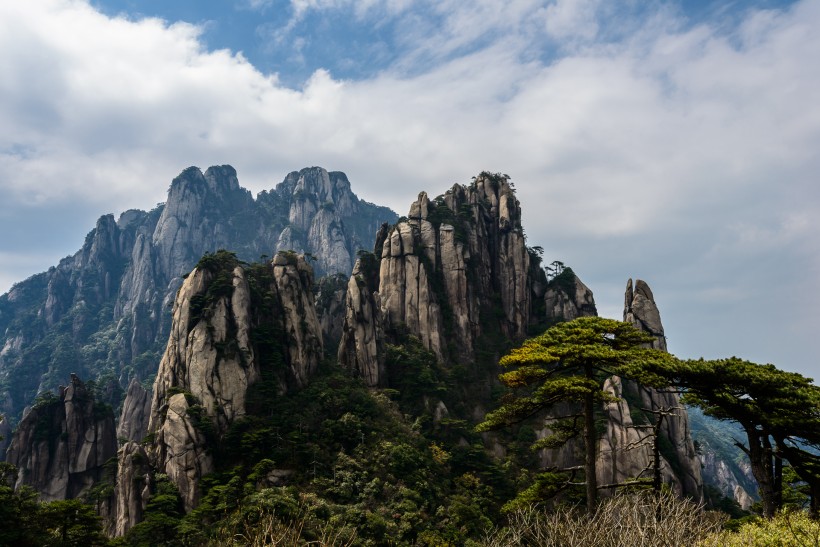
103	310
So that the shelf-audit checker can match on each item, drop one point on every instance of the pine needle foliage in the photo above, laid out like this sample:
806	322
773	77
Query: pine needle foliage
568	364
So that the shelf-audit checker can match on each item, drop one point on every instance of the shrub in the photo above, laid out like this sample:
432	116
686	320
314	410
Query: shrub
792	529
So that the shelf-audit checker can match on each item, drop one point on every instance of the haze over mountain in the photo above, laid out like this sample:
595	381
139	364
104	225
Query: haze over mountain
676	139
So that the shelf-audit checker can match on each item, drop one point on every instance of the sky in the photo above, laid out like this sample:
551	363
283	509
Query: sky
674	141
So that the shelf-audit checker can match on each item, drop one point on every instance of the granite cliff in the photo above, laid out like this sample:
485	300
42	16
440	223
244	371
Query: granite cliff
233	327
62	445
452	286
627	447
453	271
456	274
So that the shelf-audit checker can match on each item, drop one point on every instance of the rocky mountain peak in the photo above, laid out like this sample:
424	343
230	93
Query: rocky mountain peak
212	359
456	267
105	309
640	309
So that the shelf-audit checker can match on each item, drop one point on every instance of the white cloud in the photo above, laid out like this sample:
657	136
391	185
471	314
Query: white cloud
636	157
573	19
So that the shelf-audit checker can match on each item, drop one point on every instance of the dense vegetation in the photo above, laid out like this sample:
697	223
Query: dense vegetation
337	463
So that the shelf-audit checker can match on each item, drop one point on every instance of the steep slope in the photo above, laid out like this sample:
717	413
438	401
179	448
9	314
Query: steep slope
724	466
233	327
104	311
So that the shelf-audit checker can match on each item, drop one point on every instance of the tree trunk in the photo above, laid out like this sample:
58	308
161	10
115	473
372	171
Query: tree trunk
778	479
590	445
761	462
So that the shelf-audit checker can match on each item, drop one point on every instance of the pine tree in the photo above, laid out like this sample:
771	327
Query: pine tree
568	364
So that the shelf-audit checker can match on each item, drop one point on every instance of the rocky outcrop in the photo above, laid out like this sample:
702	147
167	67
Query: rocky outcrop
136	409
567	298
326	219
61	446
640	309
5	436
106	307
212	358
133	487
362	341
456	268
719	474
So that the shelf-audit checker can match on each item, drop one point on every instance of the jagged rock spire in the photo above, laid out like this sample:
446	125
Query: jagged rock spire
640	310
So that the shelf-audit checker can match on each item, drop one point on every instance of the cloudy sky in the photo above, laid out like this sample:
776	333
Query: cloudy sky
675	141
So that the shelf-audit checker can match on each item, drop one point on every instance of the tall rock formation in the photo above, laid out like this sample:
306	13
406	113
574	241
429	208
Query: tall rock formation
455	269
681	464
213	357
104	311
62	445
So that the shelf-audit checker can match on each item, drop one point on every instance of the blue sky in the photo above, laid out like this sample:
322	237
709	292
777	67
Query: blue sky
672	141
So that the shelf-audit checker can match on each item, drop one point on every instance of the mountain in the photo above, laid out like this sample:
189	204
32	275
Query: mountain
250	411
726	467
103	312
457	275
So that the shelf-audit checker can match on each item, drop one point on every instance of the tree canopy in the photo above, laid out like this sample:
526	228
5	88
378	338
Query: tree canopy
778	410
568	364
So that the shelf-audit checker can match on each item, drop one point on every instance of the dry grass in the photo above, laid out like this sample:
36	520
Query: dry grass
267	530
639	520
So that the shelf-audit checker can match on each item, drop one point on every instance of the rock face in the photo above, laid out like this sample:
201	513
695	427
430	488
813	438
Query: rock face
567	298
723	465
61	446
105	308
330	308
454	269
136	409
212	358
719	474
640	309
133	487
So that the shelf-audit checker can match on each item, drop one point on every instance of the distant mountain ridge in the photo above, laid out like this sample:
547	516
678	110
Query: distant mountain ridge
104	312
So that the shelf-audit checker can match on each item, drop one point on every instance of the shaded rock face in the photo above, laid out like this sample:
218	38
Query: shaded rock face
625	448
61	446
567	298
330	308
626	451
212	357
362	343
456	267
106	307
133	487
640	310
136	409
